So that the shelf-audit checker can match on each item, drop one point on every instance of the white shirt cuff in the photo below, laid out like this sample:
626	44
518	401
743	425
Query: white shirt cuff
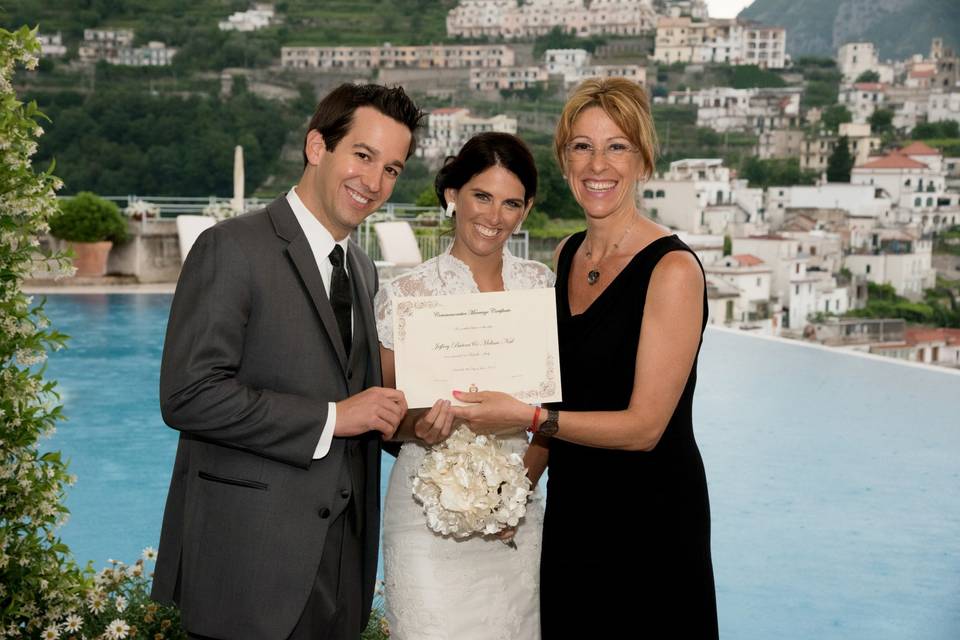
323	447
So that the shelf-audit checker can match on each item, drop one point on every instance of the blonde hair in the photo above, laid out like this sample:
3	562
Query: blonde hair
625	102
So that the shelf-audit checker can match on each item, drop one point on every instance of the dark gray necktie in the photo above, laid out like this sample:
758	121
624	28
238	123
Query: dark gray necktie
340	296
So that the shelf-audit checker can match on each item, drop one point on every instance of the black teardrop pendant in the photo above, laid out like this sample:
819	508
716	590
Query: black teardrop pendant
593	276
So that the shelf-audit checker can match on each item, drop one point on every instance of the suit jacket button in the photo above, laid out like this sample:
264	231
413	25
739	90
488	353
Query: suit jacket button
324	513
344	494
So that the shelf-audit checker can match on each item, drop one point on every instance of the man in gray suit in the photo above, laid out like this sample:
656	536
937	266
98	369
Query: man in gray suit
271	373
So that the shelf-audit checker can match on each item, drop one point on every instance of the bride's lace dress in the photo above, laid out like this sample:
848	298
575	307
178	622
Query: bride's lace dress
441	588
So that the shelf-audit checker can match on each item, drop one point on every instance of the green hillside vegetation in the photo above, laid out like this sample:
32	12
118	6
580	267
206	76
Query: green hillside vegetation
183	22
118	142
939	306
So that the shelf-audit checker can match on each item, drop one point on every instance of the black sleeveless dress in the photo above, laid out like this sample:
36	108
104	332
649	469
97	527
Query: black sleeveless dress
626	539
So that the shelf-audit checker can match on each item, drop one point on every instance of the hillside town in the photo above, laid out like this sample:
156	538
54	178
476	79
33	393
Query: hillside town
879	209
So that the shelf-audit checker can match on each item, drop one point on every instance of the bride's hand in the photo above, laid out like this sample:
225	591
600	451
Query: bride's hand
492	412
434	425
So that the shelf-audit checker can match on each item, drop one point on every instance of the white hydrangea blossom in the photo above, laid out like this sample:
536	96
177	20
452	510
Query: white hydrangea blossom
469	485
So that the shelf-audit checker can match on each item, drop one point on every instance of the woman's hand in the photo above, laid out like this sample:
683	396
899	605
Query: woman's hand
435	425
492	412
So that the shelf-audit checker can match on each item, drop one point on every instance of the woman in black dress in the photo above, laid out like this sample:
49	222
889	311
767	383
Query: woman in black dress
626	542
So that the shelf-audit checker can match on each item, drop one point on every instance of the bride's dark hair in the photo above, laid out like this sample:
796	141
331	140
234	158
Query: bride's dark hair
483	151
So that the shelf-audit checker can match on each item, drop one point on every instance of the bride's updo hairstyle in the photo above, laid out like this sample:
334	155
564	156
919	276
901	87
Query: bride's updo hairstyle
483	151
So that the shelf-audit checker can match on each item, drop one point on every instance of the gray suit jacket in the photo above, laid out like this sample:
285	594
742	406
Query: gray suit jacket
251	359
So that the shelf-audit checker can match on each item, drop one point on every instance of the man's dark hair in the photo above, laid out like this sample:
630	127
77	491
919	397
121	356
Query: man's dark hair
334	114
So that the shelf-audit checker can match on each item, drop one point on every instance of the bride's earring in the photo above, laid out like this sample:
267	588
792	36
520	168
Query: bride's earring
448	212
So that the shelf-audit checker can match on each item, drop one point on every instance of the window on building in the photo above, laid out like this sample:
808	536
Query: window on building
868	268
796	289
661	193
929	202
917	202
647	193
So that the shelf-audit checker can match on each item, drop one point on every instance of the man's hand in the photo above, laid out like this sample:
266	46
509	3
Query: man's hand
434	425
374	409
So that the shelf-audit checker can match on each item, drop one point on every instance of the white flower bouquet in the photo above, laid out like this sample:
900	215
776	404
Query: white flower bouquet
469	485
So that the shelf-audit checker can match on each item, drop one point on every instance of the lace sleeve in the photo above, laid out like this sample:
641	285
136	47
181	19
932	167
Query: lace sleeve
383	310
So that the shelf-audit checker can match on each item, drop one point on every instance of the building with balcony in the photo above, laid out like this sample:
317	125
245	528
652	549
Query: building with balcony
388	56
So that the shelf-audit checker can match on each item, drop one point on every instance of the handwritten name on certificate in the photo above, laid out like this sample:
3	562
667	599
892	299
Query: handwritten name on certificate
498	341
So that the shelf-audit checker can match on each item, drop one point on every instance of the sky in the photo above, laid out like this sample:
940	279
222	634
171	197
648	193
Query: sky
726	8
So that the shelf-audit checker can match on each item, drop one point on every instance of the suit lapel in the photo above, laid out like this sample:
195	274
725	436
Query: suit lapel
303	261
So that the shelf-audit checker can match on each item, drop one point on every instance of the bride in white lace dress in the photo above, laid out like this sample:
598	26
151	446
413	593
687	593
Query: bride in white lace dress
438	587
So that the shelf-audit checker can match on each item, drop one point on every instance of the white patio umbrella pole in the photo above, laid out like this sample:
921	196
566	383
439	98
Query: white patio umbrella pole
237	203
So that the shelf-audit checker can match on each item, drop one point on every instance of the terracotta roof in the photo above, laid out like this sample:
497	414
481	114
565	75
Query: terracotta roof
919	149
893	161
747	260
922	73
869	86
915	335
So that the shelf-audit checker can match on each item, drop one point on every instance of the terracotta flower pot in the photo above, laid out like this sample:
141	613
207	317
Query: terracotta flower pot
90	258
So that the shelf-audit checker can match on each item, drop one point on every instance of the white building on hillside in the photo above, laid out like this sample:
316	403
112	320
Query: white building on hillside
575	65
507	78
104	44
757	110
943	107
694	196
509	19
782	254
388	56
686	40
51	45
155	54
855	58
751	277
915	179
449	128
560	61
814	291
251	20
709	248
862	201
905	263
823	248
862	99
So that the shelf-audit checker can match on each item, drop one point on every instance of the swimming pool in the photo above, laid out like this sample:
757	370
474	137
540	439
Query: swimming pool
834	479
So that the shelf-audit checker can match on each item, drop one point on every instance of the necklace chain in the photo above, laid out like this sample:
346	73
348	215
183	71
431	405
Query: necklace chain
593	276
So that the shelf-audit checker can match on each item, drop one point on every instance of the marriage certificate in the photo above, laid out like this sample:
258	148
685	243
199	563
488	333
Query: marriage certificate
500	341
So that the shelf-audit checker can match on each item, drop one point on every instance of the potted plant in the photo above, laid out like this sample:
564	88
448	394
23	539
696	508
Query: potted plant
90	225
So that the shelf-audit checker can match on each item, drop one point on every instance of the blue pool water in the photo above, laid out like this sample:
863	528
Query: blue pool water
834	479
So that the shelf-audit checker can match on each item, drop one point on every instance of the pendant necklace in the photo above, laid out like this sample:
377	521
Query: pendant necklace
593	276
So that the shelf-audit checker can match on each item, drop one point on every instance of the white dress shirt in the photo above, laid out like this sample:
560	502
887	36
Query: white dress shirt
321	244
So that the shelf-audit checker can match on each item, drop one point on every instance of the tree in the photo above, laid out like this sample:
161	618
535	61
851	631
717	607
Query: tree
840	162
931	130
427	198
868	76
834	116
881	121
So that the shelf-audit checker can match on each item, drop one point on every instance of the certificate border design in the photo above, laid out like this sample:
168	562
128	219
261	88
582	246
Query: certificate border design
406	308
